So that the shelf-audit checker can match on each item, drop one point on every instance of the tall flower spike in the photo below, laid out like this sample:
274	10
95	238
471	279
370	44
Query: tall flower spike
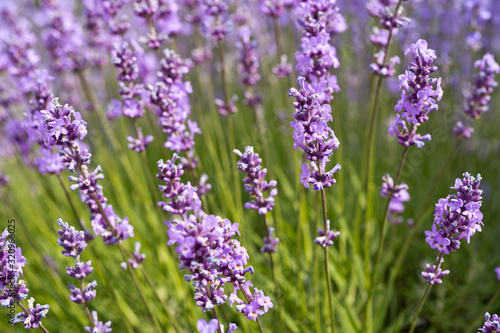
476	103
312	134
255	184
457	216
418	96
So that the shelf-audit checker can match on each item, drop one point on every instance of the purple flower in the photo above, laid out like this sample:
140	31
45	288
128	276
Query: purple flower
326	238
418	96
457	216
99	327
497	270
312	134
62	125
284	68
491	324
255	183
270	242
71	240
141	143
33	319
89	293
399	194
476	103
210	327
433	275
50	162
137	257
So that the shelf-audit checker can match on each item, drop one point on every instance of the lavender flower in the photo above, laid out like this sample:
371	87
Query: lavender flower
457	216
327	237
389	21
484	82
434	275
137	257
210	327
400	195
284	68
312	134
418	96
270	242
477	102
34	317
12	289
99	327
317	55
497	270
71	240
249	64
255	183
491	324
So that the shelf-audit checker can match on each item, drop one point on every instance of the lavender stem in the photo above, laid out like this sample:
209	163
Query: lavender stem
427	290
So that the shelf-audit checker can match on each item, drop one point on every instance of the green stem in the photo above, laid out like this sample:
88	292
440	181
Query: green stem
422	301
214	312
70	201
276	285
99	111
472	327
381	238
423	207
327	271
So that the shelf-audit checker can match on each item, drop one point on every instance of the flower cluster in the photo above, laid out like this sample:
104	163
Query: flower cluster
206	248
434	274
216	20
390	20
170	95
491	324
183	197
249	64
61	125
457	216
105	222
255	184
312	134
162	18
399	196
132	104
12	289
317	55
477	102
213	326
418	96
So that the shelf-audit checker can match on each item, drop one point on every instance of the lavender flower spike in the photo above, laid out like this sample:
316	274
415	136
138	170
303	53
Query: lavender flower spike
418	96
457	216
255	183
484	82
312	134
491	324
477	102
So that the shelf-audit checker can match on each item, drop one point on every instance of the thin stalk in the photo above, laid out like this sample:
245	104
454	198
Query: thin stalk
473	327
423	207
422	301
164	306
120	247
29	313
381	238
276	285
85	306
99	111
220	52
277	36
70	201
214	312
146	165
327	272
369	146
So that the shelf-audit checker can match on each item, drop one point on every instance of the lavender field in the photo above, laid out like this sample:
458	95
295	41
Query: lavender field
250	166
